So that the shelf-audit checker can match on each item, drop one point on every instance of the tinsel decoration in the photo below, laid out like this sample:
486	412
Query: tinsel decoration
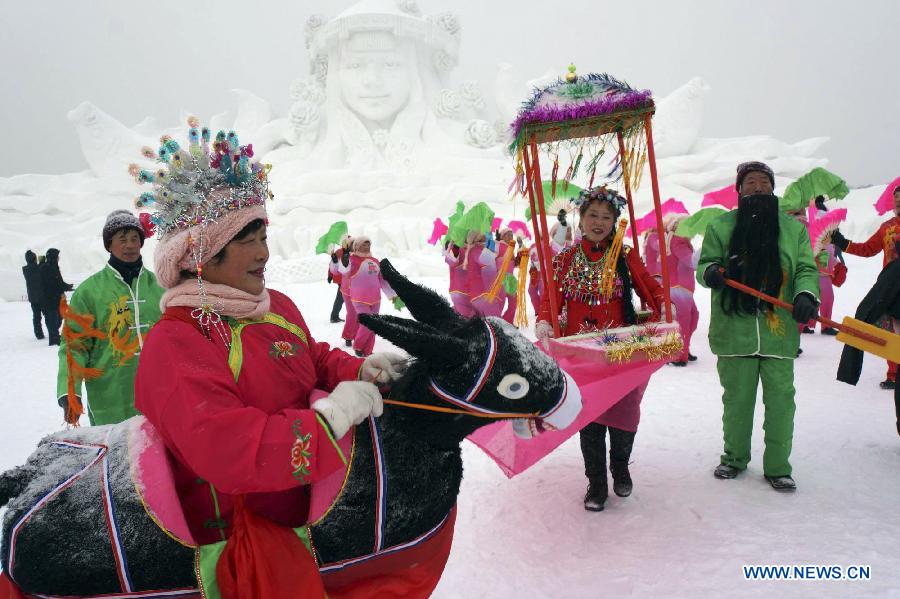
609	274
521	319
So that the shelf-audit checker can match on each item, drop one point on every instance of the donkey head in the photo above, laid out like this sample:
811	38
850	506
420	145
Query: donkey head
481	368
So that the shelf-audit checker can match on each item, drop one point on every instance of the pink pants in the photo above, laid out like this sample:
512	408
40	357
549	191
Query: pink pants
534	292
687	315
364	340
462	304
509	315
484	308
350	322
626	413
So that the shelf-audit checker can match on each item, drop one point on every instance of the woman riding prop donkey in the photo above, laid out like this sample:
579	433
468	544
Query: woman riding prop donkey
94	512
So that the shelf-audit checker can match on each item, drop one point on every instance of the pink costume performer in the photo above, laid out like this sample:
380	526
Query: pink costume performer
681	279
365	286
459	293
481	270
825	261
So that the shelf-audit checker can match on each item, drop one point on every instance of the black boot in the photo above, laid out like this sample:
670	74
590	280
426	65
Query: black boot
595	498
593	448
336	307
620	446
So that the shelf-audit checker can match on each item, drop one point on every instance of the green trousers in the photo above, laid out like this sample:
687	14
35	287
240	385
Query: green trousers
740	378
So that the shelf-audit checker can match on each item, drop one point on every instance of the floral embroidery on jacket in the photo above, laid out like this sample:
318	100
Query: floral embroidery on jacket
300	452
283	349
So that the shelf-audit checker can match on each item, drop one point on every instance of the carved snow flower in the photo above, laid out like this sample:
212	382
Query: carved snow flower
307	90
470	92
313	24
480	134
447	21
304	116
319	68
380	138
447	103
410	7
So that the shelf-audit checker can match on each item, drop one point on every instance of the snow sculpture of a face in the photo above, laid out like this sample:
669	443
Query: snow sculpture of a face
375	76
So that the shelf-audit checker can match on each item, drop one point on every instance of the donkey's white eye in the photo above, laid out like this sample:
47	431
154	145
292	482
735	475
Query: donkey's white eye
513	386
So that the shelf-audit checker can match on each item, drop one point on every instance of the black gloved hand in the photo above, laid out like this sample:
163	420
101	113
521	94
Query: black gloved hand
713	277
805	308
561	217
345	258
334	257
839	241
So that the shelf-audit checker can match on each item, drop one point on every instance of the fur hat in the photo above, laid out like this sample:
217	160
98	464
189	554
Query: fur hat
118	220
745	168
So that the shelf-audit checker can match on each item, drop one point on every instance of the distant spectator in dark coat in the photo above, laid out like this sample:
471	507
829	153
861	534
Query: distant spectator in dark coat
54	288
35	291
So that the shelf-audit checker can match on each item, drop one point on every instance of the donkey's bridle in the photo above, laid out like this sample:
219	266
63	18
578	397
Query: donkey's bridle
463	404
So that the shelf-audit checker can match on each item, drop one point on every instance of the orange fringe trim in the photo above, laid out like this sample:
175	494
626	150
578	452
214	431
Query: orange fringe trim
521	319
75	340
501	272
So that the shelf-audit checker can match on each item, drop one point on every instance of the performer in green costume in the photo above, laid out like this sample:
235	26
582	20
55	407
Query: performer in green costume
755	341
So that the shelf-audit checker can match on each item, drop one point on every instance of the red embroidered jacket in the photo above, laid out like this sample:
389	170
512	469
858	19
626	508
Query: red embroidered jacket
255	436
604	315
883	240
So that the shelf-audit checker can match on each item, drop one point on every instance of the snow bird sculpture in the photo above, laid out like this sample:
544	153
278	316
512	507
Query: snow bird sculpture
93	511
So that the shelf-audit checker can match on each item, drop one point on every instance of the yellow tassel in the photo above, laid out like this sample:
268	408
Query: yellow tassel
501	273
608	276
521	320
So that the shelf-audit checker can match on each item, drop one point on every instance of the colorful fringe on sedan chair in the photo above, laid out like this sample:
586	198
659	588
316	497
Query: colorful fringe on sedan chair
521	320
75	340
608	275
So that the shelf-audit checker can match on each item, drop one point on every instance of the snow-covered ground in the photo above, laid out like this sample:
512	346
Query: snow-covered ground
682	533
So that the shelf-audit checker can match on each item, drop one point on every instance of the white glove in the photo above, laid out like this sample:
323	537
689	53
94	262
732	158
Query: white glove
349	404
543	330
383	367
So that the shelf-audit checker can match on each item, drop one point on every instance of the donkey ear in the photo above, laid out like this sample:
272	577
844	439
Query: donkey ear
419	339
424	304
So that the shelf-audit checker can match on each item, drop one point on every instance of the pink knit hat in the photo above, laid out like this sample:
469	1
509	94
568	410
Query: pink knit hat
202	195
176	251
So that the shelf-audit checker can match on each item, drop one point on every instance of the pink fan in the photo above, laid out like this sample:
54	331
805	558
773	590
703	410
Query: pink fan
518	226
439	230
726	197
648	221
885	201
495	224
821	226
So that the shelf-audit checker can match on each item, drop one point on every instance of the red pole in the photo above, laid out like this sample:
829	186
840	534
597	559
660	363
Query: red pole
529	181
663	257
634	235
544	240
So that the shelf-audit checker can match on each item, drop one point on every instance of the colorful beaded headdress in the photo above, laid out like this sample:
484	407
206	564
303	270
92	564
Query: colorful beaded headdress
183	181
600	193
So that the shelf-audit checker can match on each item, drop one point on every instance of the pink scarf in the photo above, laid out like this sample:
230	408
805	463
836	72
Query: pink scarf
226	301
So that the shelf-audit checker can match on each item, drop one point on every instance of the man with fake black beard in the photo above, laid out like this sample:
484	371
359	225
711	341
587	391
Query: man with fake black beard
755	341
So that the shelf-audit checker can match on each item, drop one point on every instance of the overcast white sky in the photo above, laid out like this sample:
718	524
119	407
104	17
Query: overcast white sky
793	69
